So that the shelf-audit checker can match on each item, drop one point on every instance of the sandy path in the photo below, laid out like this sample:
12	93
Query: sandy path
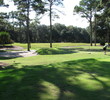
18	53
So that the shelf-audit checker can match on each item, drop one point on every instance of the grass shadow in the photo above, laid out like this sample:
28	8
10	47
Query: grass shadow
60	81
87	49
6	58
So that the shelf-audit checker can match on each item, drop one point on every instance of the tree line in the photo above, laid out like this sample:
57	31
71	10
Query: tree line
41	33
22	29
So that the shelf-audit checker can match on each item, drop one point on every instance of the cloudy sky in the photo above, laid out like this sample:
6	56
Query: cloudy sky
67	19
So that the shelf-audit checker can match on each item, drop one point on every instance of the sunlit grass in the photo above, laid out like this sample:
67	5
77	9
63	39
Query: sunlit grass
65	54
47	45
48	59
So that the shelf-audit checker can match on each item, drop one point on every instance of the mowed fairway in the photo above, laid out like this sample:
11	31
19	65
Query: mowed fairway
82	73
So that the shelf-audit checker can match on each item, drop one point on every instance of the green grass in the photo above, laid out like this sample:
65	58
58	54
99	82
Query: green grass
47	59
82	74
76	53
47	45
86	79
51	51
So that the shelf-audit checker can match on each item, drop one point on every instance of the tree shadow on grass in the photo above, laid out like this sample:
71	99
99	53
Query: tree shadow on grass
85	49
5	58
61	81
92	50
89	49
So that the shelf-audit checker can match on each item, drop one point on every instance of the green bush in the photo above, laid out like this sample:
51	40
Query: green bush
5	38
47	51
50	51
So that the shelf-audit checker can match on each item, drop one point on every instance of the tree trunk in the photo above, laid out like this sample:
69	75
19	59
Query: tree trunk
108	38
28	38
50	23
90	31
95	32
20	35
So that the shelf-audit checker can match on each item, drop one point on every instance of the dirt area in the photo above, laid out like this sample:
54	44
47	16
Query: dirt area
17	52
2	65
11	48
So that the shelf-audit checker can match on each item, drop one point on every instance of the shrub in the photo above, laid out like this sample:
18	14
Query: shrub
5	38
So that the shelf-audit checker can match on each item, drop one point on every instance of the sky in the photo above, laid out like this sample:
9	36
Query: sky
68	18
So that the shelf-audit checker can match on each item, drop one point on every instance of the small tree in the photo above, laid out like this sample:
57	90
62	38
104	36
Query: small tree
5	38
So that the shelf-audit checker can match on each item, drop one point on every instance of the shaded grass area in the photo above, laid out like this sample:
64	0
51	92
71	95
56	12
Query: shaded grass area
2	50
5	58
87	79
91	49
